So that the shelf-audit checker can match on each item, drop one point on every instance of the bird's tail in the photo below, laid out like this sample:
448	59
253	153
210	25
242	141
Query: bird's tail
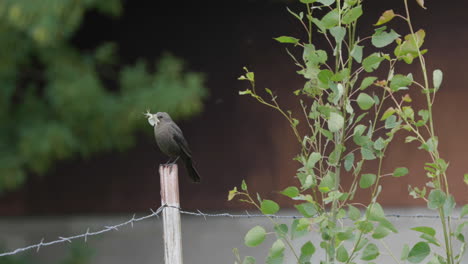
192	172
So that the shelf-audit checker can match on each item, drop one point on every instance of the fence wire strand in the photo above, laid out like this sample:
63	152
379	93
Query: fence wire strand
156	213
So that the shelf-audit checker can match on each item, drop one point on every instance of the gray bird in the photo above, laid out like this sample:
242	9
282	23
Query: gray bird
171	141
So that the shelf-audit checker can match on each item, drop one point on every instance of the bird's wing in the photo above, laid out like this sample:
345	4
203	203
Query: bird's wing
180	140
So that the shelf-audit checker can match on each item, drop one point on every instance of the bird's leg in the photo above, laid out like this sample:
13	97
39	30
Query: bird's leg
174	162
168	162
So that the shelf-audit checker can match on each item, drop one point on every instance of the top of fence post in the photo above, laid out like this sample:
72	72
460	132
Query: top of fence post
171	214
169	185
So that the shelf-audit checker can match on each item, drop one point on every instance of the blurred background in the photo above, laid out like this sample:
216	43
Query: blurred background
76	150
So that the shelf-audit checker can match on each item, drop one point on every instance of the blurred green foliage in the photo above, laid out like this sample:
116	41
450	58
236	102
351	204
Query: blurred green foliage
57	101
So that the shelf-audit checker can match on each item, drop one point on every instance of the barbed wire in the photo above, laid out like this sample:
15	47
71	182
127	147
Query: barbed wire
156	213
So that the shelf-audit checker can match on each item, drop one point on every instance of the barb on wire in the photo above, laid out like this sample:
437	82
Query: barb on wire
197	213
85	235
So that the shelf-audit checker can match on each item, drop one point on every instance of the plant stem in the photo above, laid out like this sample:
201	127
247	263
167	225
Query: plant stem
446	225
252	201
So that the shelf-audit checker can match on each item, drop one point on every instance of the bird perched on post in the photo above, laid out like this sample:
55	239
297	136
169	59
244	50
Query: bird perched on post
171	141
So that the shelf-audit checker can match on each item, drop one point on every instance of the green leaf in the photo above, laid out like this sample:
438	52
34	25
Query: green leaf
460	230
324	77
367	180
349	108
387	224
333	158
367	154
381	38
385	17
255	236
244	185
353	213
424	114
347	234
372	62
391	122
465	178
379	144
419	252
340	76
366	82
326	2
249	260
309	181
409	139
281	230
297	232
430	145
336	122
312	56
449	205
303	224
276	254
301	14
338	33
421	3
232	194
306	209
399	82
408	49
331	19
371	252
362	141
342	254
291	192
408	113
380	232
349	161
313	159
319	25
307	250
327	183
287	39
436	199
269	207
361	244
437	77
404	252
365	101
375	212
430	239
356	53
352	15
360	117
333	196
390	111
398	172
250	76
425	230
464	211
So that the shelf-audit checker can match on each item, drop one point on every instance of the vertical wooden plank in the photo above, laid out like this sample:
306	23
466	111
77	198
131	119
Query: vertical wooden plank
171	216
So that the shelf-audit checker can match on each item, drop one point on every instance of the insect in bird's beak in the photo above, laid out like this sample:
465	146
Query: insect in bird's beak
152	120
147	114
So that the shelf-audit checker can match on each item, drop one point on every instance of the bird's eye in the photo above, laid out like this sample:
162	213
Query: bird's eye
159	117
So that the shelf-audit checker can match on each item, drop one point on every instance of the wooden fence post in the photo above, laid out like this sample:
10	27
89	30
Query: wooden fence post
171	214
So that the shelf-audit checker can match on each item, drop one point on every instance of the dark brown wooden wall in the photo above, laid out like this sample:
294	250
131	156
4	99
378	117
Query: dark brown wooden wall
236	138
